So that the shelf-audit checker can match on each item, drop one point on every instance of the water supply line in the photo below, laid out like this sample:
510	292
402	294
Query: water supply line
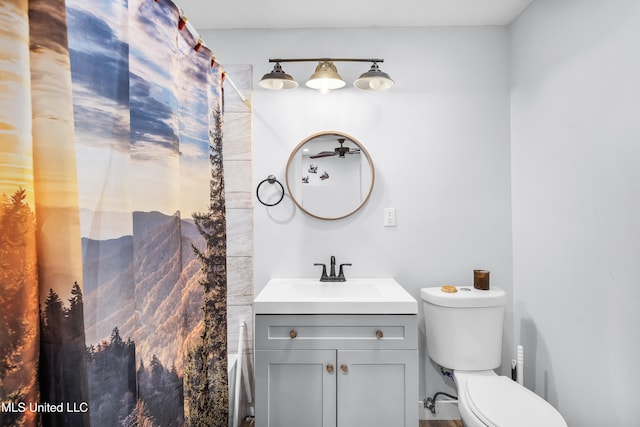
430	402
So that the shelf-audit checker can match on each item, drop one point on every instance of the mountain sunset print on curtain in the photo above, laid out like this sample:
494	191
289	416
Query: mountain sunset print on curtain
112	224
18	276
145	105
39	223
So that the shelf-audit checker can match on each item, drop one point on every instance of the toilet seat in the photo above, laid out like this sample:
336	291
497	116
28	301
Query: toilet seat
498	401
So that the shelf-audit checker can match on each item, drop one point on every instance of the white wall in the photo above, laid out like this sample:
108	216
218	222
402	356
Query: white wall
575	100
440	145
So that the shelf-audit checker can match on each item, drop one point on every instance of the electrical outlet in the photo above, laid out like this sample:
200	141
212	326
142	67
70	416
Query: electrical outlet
390	217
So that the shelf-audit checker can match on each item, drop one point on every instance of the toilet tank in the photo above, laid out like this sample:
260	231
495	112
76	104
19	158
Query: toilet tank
464	328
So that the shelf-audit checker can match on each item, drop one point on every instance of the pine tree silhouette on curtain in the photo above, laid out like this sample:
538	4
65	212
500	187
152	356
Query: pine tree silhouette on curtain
62	359
206	378
18	325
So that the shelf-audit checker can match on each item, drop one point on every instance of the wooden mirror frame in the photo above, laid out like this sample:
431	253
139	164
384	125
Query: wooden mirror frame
290	179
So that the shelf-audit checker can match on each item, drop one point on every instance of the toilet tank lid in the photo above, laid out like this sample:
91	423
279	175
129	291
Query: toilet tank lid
465	296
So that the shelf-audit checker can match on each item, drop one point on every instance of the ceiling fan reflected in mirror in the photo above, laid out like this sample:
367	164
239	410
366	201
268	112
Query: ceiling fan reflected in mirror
338	151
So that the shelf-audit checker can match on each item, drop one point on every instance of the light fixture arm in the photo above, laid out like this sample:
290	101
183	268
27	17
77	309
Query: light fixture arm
326	59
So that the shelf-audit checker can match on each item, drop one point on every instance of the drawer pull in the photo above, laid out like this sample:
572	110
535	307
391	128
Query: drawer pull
379	334
293	334
344	368
330	368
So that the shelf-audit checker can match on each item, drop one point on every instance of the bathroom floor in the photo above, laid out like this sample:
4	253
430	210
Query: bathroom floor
441	423
436	423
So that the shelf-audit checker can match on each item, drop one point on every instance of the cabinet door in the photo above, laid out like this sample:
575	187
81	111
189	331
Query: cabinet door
295	388
377	388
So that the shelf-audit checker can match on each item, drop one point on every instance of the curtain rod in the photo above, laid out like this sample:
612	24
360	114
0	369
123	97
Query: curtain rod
234	87
184	22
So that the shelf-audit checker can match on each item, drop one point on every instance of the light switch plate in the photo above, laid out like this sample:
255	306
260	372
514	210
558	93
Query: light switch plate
390	217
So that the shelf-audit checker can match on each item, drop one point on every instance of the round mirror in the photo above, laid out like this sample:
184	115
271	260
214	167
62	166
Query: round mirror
330	175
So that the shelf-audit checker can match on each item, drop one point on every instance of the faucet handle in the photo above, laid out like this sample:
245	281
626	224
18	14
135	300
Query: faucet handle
341	272
324	271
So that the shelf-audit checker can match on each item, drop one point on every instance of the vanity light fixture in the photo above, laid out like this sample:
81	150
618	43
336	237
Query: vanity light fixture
374	79
277	79
326	77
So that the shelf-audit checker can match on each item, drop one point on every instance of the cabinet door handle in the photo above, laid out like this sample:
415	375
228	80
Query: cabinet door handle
293	334
330	368
344	368
379	334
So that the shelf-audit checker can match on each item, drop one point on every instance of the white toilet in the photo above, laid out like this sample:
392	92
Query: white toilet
464	333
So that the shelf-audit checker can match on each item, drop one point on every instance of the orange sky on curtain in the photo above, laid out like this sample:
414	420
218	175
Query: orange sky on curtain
36	134
16	162
55	175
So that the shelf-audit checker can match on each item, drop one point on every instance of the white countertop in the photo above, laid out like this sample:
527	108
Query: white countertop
355	296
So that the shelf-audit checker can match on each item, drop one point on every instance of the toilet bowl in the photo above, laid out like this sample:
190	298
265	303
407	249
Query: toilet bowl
464	333
487	399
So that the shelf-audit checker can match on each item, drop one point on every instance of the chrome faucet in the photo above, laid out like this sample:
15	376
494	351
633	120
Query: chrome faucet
332	272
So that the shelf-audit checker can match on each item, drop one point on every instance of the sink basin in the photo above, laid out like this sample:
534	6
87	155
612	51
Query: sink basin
355	296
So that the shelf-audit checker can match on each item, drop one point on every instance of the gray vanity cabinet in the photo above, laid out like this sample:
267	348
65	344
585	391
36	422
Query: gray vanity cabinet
294	389
336	370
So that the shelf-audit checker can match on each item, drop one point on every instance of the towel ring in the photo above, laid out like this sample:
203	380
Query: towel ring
271	180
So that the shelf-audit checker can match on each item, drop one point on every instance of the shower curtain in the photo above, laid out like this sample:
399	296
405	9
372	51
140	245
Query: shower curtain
112	217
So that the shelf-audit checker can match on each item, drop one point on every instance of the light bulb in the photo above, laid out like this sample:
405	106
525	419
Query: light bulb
277	84
374	84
